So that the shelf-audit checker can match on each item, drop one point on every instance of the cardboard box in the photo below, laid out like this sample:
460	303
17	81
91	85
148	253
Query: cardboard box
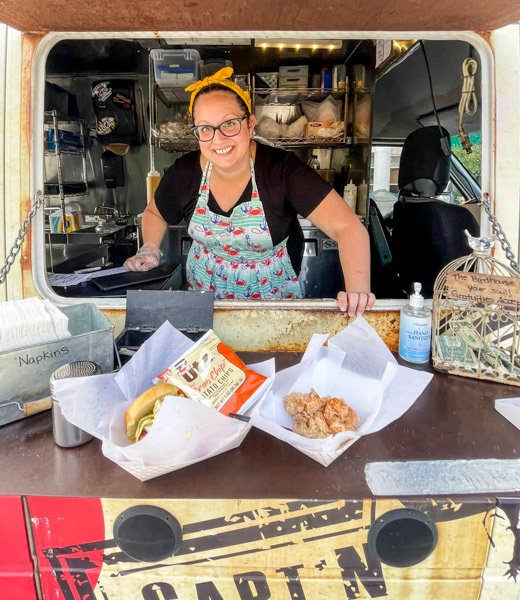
325	129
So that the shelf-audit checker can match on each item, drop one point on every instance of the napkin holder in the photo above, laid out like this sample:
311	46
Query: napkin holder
25	372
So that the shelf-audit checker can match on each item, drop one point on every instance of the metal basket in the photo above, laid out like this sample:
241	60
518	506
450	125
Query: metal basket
478	339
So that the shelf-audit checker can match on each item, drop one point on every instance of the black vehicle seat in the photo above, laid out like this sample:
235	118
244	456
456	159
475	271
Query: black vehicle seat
427	233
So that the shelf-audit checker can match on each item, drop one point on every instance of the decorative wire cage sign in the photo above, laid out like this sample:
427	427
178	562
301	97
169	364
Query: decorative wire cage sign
476	316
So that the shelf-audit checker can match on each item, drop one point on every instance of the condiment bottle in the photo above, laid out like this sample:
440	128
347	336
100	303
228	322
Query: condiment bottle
350	195
415	329
314	163
326	79
362	191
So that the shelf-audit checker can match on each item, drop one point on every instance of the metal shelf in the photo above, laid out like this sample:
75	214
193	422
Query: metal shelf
295	95
75	195
52	116
49	152
171	96
310	142
168	144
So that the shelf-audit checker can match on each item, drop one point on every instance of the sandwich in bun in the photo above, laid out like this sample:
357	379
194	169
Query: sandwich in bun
141	413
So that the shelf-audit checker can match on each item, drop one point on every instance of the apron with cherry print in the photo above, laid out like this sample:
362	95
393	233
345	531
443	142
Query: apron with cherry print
234	256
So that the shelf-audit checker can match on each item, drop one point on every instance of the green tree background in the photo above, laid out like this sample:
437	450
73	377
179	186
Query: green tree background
473	160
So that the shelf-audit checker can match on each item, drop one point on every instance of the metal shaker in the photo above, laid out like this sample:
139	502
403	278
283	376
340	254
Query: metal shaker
66	434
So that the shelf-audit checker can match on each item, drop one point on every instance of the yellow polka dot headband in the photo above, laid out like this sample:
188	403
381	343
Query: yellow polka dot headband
221	77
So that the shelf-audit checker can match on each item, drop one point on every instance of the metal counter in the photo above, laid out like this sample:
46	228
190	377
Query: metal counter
454	418
67	258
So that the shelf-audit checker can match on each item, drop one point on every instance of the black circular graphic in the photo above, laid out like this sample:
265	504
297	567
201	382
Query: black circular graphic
402	537
147	533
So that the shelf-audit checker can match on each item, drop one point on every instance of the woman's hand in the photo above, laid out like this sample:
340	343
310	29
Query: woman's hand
148	257
340	223
355	303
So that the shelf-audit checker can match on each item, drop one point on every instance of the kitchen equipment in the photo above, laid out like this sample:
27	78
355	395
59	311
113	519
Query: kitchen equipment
146	310
25	373
131	278
112	167
320	275
66	434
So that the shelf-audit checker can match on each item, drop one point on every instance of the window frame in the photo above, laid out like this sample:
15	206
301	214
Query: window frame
44	46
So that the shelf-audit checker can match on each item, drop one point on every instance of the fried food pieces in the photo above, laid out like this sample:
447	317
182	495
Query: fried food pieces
319	417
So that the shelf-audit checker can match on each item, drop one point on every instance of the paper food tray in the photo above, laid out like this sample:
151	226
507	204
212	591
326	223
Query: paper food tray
184	431
356	366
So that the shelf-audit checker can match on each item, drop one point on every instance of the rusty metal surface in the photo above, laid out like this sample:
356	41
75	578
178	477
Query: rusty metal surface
29	43
275	330
243	15
262	330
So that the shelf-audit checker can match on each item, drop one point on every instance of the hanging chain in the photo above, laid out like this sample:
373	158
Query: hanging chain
38	201
499	232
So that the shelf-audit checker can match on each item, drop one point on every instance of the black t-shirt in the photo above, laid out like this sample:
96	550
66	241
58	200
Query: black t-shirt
287	187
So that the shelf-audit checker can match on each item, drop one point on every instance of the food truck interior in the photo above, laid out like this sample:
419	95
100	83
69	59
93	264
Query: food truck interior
116	117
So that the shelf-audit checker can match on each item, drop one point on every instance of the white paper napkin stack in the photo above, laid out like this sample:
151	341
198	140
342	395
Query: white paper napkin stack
29	322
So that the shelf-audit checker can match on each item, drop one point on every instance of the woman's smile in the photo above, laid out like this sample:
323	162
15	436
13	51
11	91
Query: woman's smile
223	150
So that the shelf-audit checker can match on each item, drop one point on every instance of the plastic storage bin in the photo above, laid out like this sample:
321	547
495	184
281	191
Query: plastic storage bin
294	77
175	68
211	65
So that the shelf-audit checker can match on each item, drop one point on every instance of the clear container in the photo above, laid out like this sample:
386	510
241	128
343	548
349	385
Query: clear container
314	162
175	68
210	66
415	329
339	75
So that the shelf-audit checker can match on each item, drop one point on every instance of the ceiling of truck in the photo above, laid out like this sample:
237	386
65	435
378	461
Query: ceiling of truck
402	99
249	15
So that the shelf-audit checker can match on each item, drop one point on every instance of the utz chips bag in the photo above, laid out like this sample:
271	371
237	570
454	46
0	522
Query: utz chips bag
211	373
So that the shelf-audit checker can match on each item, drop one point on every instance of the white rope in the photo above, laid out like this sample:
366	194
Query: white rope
468	104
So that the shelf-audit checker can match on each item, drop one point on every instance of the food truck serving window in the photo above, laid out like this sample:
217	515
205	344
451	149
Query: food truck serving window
115	118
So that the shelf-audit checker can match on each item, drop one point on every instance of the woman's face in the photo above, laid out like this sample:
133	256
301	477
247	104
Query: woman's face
214	108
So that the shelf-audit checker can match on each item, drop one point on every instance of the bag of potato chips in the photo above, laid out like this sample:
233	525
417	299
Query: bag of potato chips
211	373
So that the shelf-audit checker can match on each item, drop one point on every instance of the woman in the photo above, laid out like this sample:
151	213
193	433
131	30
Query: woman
241	200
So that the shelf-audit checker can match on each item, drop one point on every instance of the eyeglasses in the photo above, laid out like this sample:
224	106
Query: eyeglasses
229	128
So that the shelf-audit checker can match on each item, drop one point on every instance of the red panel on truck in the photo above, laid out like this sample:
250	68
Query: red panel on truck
16	566
66	536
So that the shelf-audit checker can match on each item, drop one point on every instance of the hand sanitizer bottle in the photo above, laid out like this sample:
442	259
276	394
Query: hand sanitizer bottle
415	329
